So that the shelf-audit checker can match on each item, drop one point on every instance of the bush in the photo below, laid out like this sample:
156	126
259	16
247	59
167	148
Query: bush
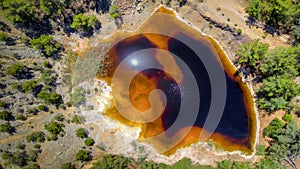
114	11
37	136
83	155
46	44
281	62
5	115
3	36
107	161
59	117
239	31
67	166
16	70
21	117
33	155
89	142
54	128
3	104
6	127
77	119
50	97
276	87
84	22
42	107
81	133
19	11
251	53
273	128
17	158
287	117
37	146
29	85
21	146
33	111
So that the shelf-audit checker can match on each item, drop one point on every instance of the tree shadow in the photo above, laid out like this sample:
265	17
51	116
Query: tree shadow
35	28
102	6
253	22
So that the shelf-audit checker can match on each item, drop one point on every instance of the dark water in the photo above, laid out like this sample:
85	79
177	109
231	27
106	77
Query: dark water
234	121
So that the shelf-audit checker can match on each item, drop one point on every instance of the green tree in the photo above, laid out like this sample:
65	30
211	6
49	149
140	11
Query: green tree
51	7
16	158
33	155
46	44
114	11
285	145
276	92
29	85
16	70
19	11
37	136
50	97
89	142
281	14
3	36
266	163
81	133
84	22
274	126
280	62
250	54
6	127
5	115
83	155
112	161
54	128
77	119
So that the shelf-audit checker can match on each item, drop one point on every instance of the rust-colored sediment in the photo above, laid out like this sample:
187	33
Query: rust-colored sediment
141	87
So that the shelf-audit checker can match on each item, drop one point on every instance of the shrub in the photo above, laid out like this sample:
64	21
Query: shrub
59	117
21	117
287	117
3	36
42	107
46	44
33	111
77	119
29	85
81	133
84	22
50	97
89	142
5	115
16	70
54	127
274	126
3	104
6	127
251	53
37	136
21	146
83	155
67	166
17	158
239	31
281	62
37	146
114	11
33	155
